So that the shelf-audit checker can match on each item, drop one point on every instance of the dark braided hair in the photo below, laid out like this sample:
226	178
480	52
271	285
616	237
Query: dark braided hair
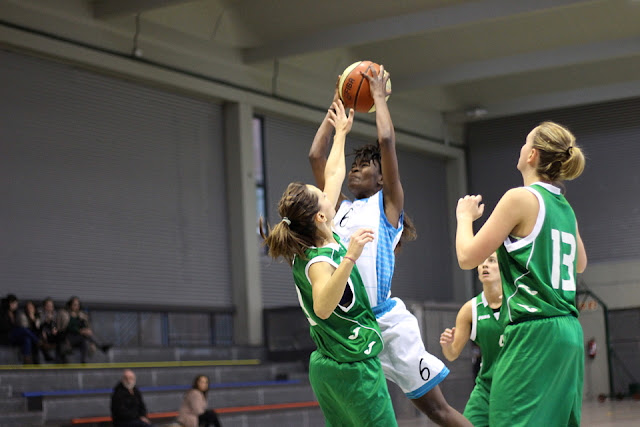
371	153
368	153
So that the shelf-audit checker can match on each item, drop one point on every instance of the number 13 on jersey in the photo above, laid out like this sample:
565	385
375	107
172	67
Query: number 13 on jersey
564	255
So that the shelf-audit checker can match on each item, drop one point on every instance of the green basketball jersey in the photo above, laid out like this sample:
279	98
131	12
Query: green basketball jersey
539	271
486	331
351	333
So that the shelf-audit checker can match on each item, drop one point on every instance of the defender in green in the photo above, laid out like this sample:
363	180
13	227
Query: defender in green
539	373
479	321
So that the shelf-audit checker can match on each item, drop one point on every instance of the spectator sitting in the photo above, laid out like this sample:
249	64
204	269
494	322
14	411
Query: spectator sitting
29	318
193	411
127	407
51	337
14	333
77	331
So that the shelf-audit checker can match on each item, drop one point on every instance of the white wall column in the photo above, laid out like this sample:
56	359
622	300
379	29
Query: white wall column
456	188
241	197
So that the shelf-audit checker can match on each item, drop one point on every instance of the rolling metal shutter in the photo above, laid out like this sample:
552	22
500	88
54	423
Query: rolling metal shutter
604	197
111	190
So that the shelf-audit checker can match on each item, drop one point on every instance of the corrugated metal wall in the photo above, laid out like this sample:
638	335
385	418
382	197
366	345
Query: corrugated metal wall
423	270
604	197
286	145
110	190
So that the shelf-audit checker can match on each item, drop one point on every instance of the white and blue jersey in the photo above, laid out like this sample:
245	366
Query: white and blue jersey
404	359
377	262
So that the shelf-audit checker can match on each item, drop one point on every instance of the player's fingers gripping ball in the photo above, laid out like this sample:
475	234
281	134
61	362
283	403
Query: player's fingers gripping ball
354	88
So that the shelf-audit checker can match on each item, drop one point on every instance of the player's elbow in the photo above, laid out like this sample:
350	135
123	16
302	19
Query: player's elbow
322	312
581	263
582	266
315	155
450	357
323	315
385	137
466	258
465	263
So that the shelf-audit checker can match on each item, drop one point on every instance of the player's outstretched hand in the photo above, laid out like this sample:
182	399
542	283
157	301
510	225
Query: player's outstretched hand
339	119
357	242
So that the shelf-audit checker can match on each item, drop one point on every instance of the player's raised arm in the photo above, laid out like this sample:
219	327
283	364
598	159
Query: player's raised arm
320	147
392	187
335	169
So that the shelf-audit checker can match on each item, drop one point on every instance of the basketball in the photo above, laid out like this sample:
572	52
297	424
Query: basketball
354	87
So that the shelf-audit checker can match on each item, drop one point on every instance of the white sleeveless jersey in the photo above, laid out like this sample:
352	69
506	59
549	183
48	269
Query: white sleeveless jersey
377	262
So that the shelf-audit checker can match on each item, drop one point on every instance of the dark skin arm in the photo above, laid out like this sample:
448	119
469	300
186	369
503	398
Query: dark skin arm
391	185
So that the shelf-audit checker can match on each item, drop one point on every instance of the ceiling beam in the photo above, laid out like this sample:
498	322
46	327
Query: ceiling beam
402	26
521	63
549	101
103	9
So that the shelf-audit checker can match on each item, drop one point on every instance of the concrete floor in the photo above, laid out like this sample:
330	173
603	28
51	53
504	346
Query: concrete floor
625	413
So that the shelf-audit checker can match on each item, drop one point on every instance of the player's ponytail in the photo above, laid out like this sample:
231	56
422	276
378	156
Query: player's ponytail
560	157
297	230
574	165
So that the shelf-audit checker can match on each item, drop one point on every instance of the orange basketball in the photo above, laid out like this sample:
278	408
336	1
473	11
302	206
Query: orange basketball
354	87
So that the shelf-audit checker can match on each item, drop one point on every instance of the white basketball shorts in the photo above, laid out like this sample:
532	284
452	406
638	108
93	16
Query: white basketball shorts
404	359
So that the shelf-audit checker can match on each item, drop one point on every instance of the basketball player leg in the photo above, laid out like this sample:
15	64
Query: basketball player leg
408	364
434	405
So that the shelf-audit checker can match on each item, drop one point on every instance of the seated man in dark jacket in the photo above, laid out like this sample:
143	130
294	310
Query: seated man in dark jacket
127	406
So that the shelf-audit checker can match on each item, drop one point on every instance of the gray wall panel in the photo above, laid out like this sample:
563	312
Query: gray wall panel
286	145
603	197
423	270
424	267
110	190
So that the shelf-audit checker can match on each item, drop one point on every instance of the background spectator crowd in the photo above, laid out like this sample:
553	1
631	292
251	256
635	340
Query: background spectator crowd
45	331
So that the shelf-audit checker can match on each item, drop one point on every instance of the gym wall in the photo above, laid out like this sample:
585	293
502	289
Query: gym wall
112	191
